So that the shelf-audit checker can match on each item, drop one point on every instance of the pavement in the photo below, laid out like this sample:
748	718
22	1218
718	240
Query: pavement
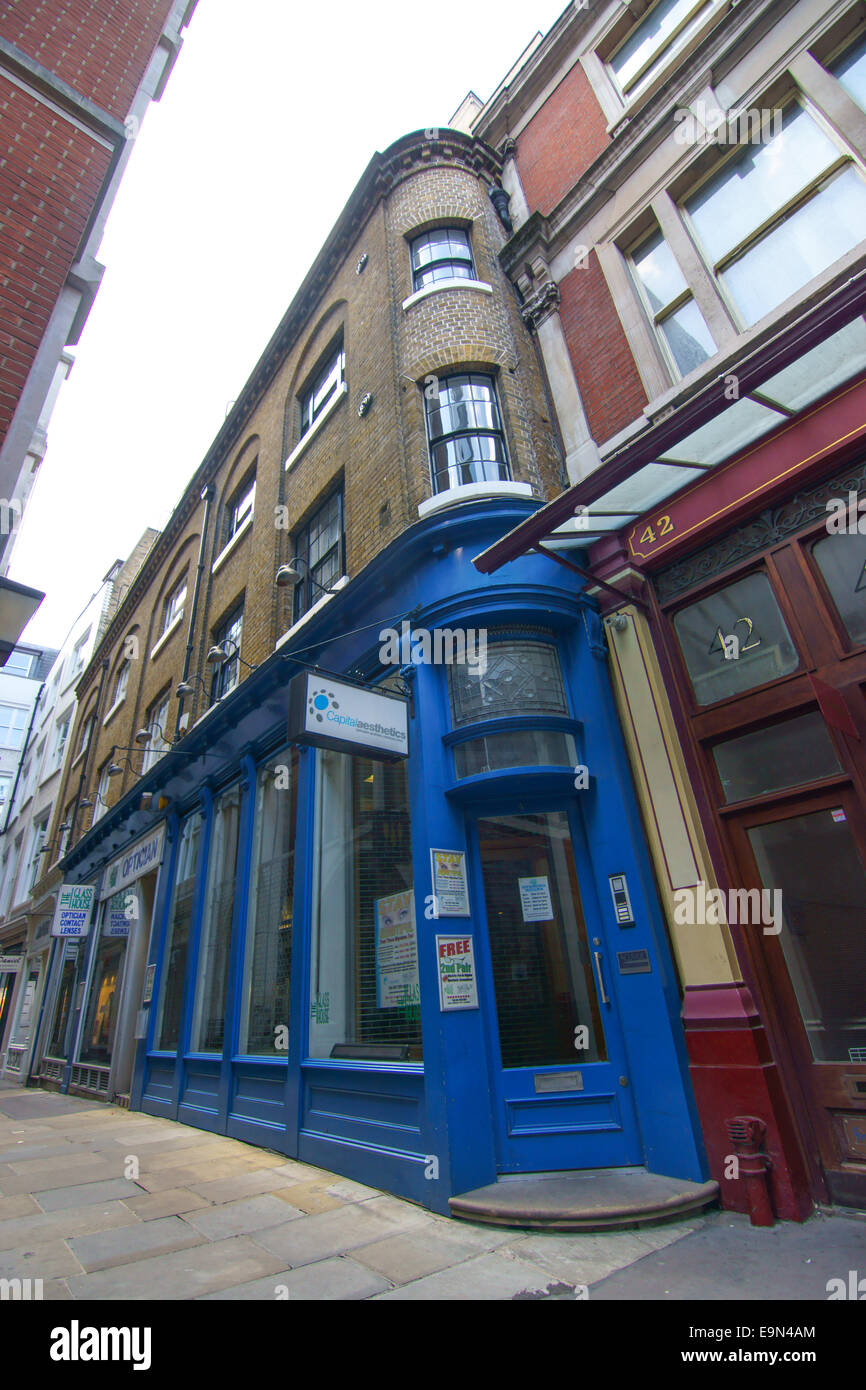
102	1203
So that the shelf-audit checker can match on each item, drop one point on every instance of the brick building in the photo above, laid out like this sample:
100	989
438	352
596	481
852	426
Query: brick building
351	883
687	185
76	77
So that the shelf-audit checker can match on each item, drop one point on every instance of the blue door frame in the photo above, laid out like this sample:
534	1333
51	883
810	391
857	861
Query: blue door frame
557	1128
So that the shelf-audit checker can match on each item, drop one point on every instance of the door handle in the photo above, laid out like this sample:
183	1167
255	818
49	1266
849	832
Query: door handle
604	998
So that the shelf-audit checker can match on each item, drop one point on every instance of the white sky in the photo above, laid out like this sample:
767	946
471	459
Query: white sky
236	178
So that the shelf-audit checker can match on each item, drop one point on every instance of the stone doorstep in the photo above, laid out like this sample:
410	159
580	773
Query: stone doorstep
609	1199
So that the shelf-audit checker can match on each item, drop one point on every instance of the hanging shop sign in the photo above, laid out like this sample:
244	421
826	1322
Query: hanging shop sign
138	859
458	987
397	983
10	965
450	889
73	910
331	714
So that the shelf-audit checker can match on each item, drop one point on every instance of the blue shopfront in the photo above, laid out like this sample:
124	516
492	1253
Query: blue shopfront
424	965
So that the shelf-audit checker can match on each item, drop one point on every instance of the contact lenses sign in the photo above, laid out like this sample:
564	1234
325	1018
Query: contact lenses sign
73	910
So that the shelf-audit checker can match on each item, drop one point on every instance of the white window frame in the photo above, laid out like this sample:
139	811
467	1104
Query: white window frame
15	709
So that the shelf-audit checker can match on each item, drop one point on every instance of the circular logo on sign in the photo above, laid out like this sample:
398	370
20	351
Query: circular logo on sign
320	701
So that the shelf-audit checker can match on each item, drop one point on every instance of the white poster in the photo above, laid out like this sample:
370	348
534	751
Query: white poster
535	899
450	889
397	981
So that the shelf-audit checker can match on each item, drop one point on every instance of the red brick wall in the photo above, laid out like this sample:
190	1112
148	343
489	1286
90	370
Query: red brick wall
99	47
561	141
608	380
50	177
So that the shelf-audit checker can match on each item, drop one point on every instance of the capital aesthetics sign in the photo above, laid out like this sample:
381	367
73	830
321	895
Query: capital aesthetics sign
330	713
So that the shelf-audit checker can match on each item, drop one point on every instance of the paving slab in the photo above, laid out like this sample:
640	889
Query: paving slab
150	1206
157	1162
26	1103
337	1279
48	1259
310	1197
185	1274
84	1194
24	1150
21	1205
300	1242
242	1217
249	1184
400	1259
59	1177
106	1249
26	1231
196	1174
69	1162
349	1191
485	1278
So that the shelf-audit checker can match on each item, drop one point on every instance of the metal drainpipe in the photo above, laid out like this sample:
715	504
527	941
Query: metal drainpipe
21	759
207	496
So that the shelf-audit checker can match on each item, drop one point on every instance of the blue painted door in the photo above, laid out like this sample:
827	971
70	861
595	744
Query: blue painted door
560	1086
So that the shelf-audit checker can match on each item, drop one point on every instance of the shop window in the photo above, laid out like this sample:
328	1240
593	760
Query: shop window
97	1040
789	754
778	214
734	640
226	673
324	387
464	429
364	990
812	862
321	545
23	1025
208	1025
268	961
842	561
443	254
63	1005
167	1032
678	322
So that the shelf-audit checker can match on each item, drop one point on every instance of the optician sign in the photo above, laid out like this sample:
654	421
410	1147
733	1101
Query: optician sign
332	714
138	859
74	906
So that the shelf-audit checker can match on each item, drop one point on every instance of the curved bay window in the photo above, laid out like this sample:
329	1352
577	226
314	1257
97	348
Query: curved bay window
268	963
364	988
167	1031
521	678
464	429
441	255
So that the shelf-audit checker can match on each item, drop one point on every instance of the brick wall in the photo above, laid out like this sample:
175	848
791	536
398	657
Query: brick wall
50	177
607	378
561	141
100	48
